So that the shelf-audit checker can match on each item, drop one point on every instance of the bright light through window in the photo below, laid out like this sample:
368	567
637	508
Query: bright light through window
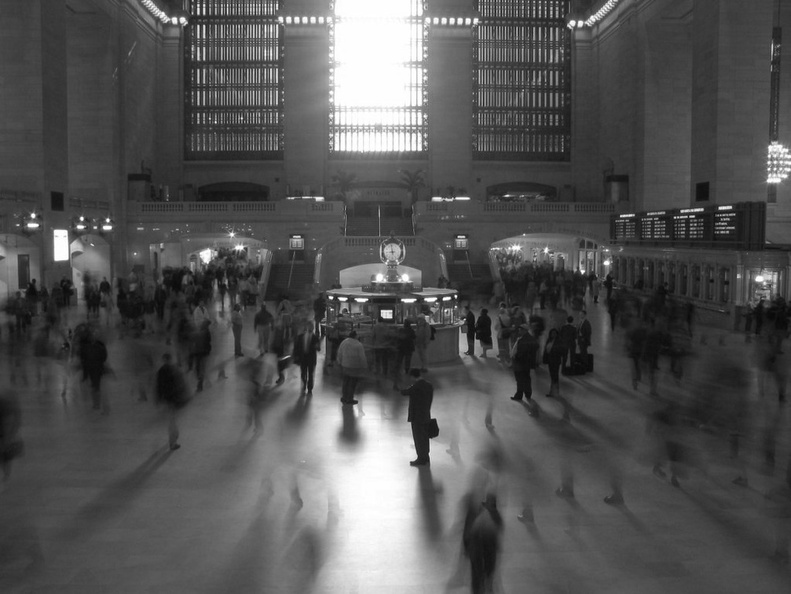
378	95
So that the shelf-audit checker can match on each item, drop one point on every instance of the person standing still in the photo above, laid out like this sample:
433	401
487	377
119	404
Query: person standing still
483	330
354	365
236	326
421	395
469	321
523	358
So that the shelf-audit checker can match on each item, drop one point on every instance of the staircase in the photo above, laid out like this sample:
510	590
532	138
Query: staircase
369	226
301	286
471	280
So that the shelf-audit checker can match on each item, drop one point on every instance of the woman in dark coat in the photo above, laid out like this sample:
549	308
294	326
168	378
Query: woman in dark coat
469	322
483	330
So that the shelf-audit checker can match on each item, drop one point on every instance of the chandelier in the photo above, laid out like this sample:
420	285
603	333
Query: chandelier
778	164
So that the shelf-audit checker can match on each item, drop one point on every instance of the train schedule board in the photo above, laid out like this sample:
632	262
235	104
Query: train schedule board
731	226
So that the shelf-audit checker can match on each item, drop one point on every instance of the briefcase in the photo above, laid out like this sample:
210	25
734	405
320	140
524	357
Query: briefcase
432	428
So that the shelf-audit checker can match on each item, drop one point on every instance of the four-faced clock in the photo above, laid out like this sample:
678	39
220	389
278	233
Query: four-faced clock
392	251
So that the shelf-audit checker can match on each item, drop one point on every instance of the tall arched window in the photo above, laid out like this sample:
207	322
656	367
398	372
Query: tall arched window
522	81
377	69
233	81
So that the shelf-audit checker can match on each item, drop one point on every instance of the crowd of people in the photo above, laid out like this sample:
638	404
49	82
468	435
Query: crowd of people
546	324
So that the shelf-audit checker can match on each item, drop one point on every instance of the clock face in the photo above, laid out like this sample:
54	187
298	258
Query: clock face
392	251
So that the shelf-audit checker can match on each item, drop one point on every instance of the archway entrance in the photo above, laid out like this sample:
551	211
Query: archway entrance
90	262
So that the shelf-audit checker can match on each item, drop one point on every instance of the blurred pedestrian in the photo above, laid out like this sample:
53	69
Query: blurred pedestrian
422	341
10	421
172	392
482	536
237	321
405	347
262	325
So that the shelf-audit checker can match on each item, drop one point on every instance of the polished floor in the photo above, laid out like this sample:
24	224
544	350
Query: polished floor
323	498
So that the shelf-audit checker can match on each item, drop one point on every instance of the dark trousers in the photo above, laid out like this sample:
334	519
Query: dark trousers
349	386
524	386
381	359
306	372
420	436
237	339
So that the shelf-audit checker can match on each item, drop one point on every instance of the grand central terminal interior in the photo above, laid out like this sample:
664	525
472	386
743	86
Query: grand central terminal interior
402	160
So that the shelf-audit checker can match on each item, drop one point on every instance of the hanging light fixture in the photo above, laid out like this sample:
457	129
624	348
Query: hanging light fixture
778	163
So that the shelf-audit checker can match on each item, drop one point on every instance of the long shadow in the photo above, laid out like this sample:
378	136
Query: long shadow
432	525
298	413
114	498
349	434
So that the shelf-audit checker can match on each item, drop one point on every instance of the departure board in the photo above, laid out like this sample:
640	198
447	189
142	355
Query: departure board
734	226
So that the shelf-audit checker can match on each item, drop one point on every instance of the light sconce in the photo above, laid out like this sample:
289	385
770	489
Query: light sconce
31	223
81	225
107	225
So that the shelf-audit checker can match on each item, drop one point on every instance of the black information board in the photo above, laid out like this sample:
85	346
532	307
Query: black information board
733	226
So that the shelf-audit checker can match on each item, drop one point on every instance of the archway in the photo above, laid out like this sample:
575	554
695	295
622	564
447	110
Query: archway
20	262
90	261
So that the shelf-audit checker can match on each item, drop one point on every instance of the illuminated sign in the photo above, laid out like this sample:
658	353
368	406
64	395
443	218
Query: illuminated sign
60	245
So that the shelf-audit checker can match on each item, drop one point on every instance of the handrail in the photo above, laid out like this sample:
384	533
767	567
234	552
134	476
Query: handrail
291	268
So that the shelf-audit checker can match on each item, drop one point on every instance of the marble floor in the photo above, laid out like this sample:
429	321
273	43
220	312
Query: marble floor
323	498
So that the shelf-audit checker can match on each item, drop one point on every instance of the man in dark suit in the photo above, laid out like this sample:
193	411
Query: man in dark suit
568	337
421	394
524	356
306	346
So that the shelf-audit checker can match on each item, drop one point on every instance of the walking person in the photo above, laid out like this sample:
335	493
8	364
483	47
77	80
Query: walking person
262	325
94	357
483	331
482	536
469	324
354	365
421	395
172	392
306	347
237	321
523	358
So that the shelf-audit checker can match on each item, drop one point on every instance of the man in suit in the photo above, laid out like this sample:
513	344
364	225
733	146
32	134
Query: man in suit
584	333
421	394
524	356
306	346
568	337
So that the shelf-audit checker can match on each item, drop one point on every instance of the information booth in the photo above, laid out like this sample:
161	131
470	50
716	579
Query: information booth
359	308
